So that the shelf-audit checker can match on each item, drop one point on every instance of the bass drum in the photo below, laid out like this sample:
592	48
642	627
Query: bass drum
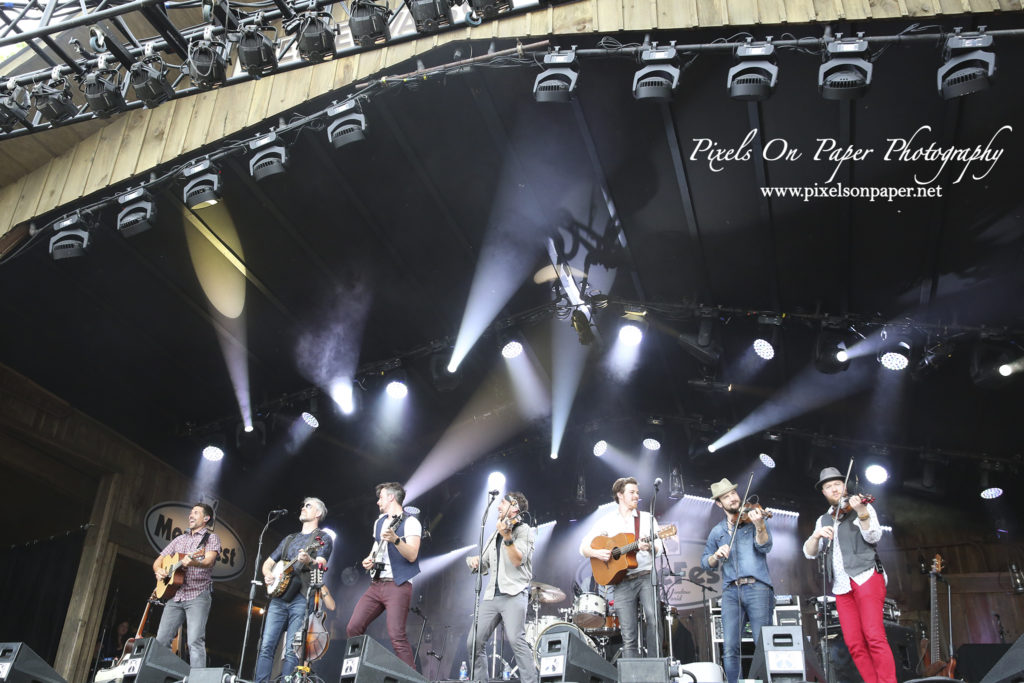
589	610
535	627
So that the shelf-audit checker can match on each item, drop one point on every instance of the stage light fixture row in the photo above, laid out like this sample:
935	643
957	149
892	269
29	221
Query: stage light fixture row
71	236
137	212
257	53
846	71
148	79
53	98
755	74
968	67
269	158
768	336
14	106
368	22
431	16
658	78
348	123
103	89
202	184
207	63
894	350
317	32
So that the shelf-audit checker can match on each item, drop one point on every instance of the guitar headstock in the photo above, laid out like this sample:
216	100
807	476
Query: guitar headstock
667	531
937	564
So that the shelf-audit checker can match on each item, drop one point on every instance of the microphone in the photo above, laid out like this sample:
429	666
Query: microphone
657	482
279	512
494	492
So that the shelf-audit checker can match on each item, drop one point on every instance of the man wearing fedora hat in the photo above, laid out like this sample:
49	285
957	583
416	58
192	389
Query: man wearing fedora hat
858	580
747	593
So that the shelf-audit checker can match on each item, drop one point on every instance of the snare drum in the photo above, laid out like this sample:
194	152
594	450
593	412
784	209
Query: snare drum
589	610
610	627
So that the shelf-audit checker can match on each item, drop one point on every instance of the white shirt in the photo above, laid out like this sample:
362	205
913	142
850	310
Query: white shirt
412	528
613	524
841	580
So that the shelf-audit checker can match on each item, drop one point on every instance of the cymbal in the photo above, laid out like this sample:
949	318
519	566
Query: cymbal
546	593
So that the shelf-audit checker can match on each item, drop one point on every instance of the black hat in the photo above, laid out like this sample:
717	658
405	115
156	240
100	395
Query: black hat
828	474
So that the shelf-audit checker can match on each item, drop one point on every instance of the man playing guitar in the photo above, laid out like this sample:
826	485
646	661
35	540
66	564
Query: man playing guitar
191	601
392	563
287	612
637	584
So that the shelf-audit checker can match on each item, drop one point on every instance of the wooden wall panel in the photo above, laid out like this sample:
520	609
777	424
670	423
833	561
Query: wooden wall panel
10	195
106	153
156	137
32	186
81	166
202	114
131	145
181	119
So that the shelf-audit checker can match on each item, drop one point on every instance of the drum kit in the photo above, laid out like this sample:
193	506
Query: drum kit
589	618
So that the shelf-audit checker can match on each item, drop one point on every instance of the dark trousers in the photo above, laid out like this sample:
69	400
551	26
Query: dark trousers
385	596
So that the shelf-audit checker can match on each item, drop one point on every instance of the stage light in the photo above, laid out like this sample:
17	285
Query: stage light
148	78
658	78
769	448
71	238
992	361
768	336
755	75
968	67
991	492
442	378
202	187
102	88
510	344
712	448
876	474
676	489
496	482
894	351
137	213
251	432
344	396
310	419
430	15
53	99
368	23
213	453
348	124
934	354
767	460
257	54
846	72
557	82
600	448
634	324
831	353
14	106
489	9
317	33
396	387
248	429
554	455
653	435
1005	369
207	65
268	159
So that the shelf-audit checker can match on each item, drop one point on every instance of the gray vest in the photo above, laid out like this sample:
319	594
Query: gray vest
858	554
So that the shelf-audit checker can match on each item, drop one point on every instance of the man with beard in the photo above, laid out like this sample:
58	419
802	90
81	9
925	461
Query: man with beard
747	593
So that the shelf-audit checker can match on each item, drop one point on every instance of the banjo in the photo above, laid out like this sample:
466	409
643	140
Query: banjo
284	571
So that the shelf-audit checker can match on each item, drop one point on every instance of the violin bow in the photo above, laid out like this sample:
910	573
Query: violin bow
839	504
743	504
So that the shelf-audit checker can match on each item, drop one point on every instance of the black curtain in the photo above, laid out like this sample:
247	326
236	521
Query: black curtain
36	582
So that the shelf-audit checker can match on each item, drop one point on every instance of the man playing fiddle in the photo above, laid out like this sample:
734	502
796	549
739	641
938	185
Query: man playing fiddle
740	544
848	533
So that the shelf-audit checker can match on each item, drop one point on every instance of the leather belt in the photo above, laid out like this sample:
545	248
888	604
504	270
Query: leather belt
638	575
383	581
744	580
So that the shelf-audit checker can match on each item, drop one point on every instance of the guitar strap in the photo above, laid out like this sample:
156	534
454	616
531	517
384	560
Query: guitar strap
636	526
203	540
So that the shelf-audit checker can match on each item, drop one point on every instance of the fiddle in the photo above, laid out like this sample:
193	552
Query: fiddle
744	516
844	506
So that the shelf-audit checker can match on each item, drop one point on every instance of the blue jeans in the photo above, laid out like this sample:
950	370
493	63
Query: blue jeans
627	595
194	613
754	602
279	615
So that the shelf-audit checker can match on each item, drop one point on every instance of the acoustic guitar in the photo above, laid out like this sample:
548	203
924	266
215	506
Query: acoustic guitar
932	664
623	547
172	564
283	572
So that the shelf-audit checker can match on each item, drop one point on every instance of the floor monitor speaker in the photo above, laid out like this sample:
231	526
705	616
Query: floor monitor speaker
20	664
367	661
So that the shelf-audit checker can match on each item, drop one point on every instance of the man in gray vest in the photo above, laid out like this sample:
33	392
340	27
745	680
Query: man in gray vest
858	580
509	561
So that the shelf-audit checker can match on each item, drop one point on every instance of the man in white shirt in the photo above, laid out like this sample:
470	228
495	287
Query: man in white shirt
636	586
393	561
858	579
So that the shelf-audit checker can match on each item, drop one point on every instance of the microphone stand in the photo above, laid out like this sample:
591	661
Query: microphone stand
252	591
479	589
826	557
654	580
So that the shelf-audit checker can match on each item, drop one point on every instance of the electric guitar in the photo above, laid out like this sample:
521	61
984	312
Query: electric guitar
932	664
283	571
172	564
623	547
378	560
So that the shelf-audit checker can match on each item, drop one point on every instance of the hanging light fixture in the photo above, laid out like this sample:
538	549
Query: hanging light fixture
557	82
846	72
137	212
207	63
53	99
755	74
202	186
968	66
102	87
658	78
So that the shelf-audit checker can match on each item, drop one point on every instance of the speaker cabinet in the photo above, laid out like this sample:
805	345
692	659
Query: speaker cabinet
1010	667
975	660
150	662
564	656
903	642
779	655
220	674
367	661
20	664
644	671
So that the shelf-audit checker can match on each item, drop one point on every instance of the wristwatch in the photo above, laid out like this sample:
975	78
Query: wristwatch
398	539
508	541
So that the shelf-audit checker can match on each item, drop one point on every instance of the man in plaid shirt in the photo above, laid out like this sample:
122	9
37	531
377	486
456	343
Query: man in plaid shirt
193	598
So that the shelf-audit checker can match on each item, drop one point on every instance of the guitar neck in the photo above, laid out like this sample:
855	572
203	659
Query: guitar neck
933	631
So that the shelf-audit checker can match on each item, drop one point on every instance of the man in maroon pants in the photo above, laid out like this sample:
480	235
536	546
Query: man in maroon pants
392	563
858	580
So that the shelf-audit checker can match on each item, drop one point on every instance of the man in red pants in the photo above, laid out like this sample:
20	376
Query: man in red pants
858	579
